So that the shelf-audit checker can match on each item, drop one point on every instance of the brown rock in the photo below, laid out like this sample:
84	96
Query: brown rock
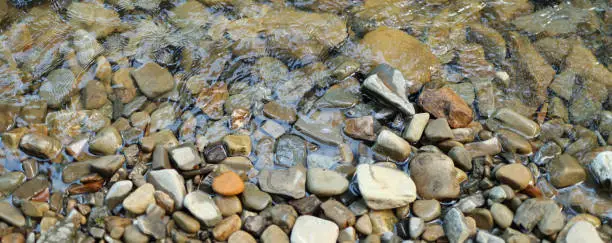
360	128
515	175
281	112
123	85
212	99
434	175
399	50
228	184
445	103
227	227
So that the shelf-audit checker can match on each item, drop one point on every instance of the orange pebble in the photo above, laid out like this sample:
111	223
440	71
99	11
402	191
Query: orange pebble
228	184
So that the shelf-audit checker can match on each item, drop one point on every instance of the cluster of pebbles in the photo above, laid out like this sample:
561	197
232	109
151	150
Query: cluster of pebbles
305	121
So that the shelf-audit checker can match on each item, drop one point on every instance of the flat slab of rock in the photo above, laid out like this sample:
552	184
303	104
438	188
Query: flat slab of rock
290	182
385	188
170	182
153	80
513	121
185	157
309	229
11	215
202	206
319	131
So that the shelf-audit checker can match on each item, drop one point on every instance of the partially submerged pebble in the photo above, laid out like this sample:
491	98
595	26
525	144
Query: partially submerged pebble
384	188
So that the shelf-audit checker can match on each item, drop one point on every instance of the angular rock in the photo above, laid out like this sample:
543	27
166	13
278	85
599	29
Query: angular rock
290	182
153	80
601	169
378	88
282	215
170	182
360	128
11	215
338	213
455	226
106	165
415	128
119	191
106	142
186	157
138	201
290	151
438	130
238	145
384	188
40	146
445	103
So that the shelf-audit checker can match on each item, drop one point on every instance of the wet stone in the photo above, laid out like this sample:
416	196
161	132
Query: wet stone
434	176
565	171
228	205
307	205
160	158
502	215
445	103
516	176
461	157
426	209
153	80
30	189
280	112
138	201
41	146
513	121
338	213
416	127
385	188
323	182
11	215
119	191
290	182
106	142
215	153
186	157
11	181
186	222
274	234
320	131
360	128
255	199
170	182
282	215
438	130
228	184
392	145
601	169
59	85
202	207
326	230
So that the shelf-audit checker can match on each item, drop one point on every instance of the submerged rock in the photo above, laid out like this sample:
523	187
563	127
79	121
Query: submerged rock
290	182
399	101
445	103
60	83
399	50
153	80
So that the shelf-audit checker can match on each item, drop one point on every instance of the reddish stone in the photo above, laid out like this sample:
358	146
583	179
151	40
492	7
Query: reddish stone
85	188
445	103
42	196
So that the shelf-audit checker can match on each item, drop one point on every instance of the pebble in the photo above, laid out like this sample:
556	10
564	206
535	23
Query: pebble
601	169
565	171
133	235
490	147
483	218
202	206
119	191
273	128
320	131
364	225
170	182
384	188
438	130
106	142
515	175
360	128
186	222
160	158
274	234
512	142
254	224
59	85
94	95
185	157
455	227
416	226
485	237
138	201
461	157
228	184
107	165
290	182
415	128
426	209
382	221
445	103
164	201
583	231
306	205
241	237
228	205
325	183
283	215
41	146
280	112
30	189
541	212
10	181
255	199
348	234
290	150
238	145
11	215
433	232
153	80
338	213
513	121
392	145
327	231
502	215
434	176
